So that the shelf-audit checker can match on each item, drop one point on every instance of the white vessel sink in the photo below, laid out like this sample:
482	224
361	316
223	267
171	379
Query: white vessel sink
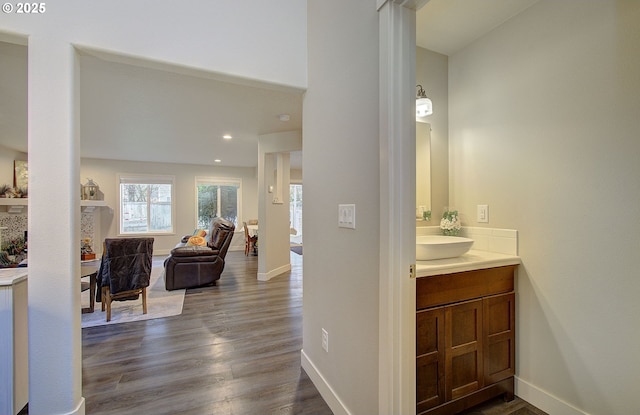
439	246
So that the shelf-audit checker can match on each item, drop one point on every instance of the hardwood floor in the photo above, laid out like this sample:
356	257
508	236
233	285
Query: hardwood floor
235	349
498	406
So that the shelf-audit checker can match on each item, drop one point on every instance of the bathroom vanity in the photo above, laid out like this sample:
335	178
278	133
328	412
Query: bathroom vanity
465	331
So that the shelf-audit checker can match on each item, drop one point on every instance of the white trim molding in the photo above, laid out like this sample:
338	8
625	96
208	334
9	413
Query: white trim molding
397	371
326	391
409	4
544	400
266	276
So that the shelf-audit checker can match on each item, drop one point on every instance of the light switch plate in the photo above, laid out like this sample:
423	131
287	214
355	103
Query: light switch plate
483	213
347	216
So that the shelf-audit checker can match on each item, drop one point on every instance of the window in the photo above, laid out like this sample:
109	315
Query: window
146	204
295	207
217	198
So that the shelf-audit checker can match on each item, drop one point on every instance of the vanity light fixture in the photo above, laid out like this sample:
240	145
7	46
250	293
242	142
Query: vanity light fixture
227	137
424	106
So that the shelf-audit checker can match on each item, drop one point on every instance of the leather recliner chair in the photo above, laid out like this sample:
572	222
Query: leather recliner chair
195	266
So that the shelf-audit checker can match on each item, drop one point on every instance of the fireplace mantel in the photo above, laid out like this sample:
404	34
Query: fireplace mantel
17	205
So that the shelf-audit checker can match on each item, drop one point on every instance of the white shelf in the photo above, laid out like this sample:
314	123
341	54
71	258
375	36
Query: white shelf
17	205
14	204
88	206
14	200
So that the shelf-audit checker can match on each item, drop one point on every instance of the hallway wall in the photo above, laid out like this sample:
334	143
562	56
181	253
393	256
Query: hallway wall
544	129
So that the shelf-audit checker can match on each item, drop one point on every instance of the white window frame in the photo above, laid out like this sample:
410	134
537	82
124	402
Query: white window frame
219	181
292	207
135	178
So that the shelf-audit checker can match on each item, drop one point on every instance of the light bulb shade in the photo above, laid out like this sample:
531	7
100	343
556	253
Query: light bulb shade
424	107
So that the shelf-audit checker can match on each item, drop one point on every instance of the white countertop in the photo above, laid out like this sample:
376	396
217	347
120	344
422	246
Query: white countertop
472	260
10	276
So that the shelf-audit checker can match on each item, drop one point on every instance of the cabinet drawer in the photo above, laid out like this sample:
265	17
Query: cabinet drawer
461	286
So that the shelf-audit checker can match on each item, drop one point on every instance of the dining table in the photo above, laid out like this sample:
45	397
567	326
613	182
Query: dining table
253	233
253	230
90	270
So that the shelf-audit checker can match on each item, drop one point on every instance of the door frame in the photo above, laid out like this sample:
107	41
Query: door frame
397	371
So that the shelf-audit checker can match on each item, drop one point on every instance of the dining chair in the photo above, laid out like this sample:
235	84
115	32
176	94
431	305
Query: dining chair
125	271
249	241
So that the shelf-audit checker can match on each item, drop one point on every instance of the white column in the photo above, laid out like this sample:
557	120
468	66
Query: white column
397	369
55	350
273	217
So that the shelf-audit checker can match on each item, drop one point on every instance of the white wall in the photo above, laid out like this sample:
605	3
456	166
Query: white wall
544	129
104	173
341	165
256	39
295	176
7	157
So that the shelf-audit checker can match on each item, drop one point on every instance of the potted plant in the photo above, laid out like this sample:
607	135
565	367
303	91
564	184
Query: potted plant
86	251
450	223
4	188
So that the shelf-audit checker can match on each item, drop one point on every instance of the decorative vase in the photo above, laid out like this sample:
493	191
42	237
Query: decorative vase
451	232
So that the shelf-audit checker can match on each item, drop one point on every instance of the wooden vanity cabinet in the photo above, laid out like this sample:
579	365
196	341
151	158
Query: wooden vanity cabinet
465	339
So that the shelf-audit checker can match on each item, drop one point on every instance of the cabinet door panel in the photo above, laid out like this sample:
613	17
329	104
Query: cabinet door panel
430	358
499	337
463	349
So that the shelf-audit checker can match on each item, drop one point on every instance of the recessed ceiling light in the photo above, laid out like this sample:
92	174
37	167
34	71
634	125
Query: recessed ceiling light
284	117
217	161
227	137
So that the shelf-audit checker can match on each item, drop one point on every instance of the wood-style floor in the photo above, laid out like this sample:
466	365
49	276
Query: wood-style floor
235	349
498	406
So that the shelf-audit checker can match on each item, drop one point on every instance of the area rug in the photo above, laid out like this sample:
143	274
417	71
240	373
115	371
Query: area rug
297	249
160	303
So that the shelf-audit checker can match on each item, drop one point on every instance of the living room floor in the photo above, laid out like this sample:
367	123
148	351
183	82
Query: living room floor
235	349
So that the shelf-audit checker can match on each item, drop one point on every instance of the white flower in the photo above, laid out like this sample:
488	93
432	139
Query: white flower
450	223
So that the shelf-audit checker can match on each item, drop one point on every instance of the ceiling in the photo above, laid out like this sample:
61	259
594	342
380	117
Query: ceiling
138	110
149	111
447	26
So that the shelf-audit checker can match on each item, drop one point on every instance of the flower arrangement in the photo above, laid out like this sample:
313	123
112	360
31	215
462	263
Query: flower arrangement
4	188
86	250
450	223
15	246
85	247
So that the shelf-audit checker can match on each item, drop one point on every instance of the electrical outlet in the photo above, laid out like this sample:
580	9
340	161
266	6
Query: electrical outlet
325	340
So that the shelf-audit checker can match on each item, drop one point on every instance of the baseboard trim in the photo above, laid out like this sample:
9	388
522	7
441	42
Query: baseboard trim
79	409
266	276
326	391
543	400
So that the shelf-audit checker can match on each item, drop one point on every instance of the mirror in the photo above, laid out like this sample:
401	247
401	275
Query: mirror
423	173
